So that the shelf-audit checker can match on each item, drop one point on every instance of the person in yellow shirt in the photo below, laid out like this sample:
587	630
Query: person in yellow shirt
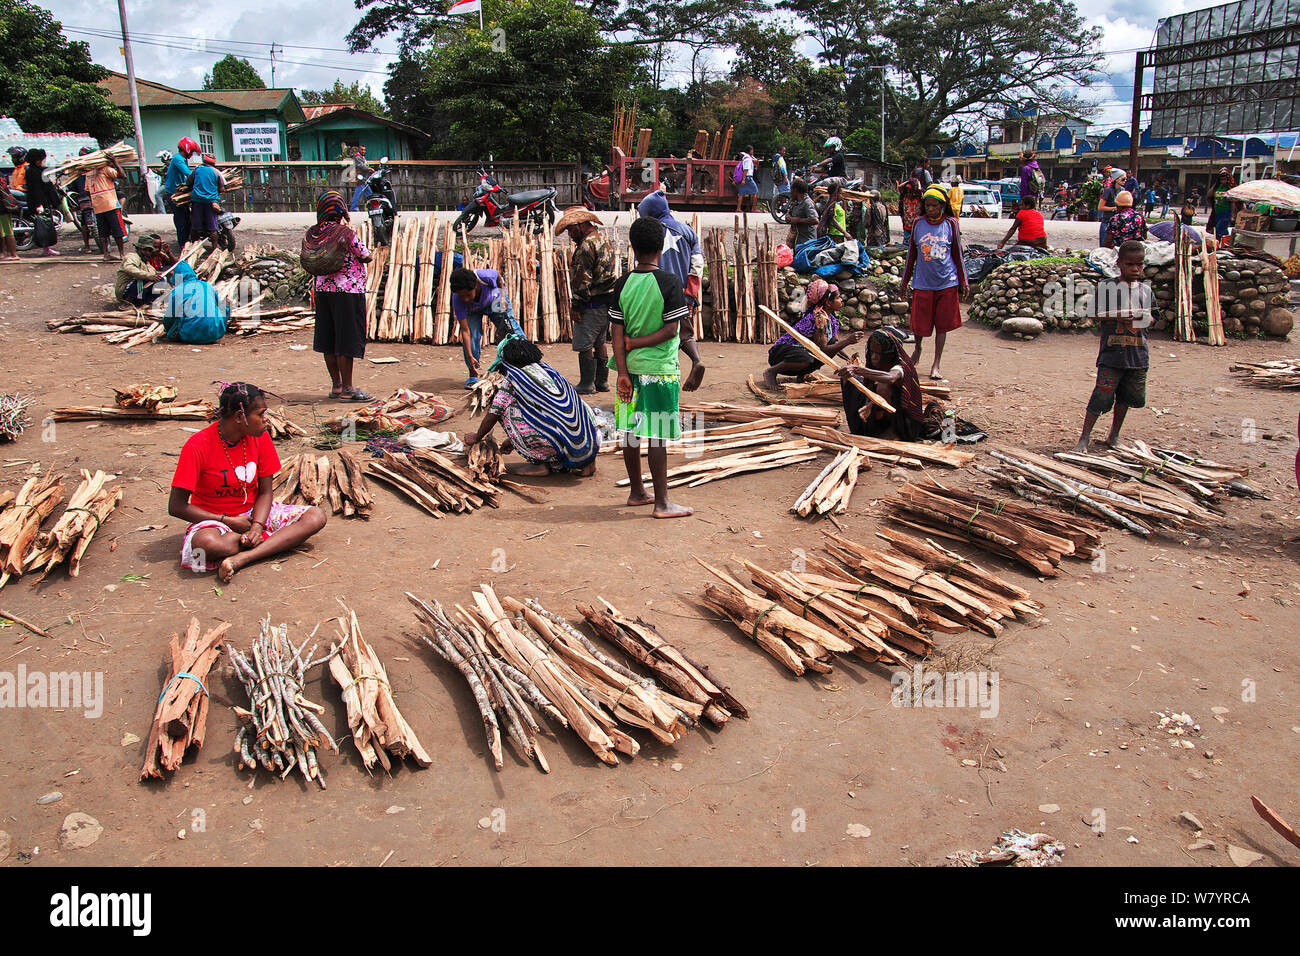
955	194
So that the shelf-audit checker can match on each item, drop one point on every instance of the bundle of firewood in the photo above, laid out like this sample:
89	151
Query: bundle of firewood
701	471
1280	373
80	165
1038	537
289	318
193	411
89	506
787	414
696	442
681	675
377	726
911	454
821	389
234	181
400	412
180	717
13	416
278	424
485	460
280	729
830	491
479	398
145	396
434	482
21	521
339	484
536	664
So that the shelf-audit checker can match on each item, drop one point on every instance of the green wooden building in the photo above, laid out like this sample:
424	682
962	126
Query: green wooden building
322	135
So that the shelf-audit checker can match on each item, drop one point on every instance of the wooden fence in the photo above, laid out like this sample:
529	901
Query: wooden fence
419	184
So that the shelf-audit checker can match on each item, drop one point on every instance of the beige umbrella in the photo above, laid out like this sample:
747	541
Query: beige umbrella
1273	191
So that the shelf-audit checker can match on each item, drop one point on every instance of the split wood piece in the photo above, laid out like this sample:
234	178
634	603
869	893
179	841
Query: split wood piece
1271	817
1279	373
196	411
181	715
798	644
944	455
705	470
89	507
788	415
20	523
280	730
830	491
951	565
669	663
827	360
145	396
377	726
280	426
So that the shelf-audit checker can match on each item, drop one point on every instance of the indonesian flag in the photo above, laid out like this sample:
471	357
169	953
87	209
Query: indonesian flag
465	6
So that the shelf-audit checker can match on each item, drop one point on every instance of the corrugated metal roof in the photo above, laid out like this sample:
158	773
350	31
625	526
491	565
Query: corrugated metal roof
157	95
361	115
316	112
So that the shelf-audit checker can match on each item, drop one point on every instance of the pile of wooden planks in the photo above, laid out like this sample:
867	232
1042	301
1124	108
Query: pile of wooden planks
1037	537
21	519
232	181
145	396
434	482
89	507
1280	373
830	491
180	717
400	412
527	667
192	411
788	415
701	471
280	730
762	431
339	485
80	165
378	727
821	389
909	454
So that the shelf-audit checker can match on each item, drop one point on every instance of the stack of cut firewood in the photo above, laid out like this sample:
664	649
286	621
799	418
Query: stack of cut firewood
140	402
234	181
403	410
280	730
1038	537
1279	373
822	389
278	424
378	727
434	482
830	491
788	414
145	396
485	460
89	506
701	471
180	717
911	454
339	484
534	668
20	522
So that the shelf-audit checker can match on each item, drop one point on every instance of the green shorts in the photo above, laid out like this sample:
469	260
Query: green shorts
653	412
6	226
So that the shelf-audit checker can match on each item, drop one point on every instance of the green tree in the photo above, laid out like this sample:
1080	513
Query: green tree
232	73
356	94
49	84
538	83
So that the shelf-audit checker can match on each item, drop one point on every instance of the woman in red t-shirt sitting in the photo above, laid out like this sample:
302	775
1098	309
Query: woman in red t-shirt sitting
1030	223
222	487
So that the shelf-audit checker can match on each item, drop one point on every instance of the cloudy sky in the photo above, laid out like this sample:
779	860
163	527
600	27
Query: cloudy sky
177	43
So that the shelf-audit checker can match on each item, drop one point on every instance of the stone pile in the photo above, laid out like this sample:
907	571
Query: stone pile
275	270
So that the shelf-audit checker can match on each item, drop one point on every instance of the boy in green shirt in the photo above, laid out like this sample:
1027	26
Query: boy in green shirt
648	305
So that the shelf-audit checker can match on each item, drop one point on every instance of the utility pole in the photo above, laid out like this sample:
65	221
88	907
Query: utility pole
135	98
273	63
1135	131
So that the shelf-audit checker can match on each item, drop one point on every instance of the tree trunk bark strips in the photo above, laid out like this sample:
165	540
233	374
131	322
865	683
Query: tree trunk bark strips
181	714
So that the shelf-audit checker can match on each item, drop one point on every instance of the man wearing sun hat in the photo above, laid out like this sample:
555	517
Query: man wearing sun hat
591	280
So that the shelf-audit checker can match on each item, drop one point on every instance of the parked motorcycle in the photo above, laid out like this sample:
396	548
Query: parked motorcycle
779	205
24	228
226	223
499	208
381	204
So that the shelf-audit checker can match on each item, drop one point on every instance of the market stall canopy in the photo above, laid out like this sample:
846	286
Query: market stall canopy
1273	191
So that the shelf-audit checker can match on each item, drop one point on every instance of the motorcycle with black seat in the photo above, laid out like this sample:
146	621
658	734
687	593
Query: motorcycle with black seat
493	205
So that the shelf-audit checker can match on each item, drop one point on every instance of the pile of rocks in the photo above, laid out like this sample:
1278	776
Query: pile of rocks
275	270
1026	298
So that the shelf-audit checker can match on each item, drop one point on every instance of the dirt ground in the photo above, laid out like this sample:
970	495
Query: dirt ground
1162	628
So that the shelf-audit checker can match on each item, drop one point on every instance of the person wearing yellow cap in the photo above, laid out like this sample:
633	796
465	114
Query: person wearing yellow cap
935	274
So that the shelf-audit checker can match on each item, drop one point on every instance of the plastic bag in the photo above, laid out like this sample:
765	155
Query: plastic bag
784	256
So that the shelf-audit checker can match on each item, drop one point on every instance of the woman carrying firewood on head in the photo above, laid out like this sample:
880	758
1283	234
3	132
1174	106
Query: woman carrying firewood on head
222	487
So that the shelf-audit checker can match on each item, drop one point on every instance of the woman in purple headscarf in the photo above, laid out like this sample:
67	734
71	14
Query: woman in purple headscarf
787	357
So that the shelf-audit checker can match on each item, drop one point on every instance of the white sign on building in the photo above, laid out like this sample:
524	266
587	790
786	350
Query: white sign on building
258	139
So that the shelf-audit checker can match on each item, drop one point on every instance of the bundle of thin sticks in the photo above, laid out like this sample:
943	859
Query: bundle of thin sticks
789	415
13	415
536	660
378	727
1280	373
948	592
1213	306
1184	329
281	427
180	717
403	410
145	396
80	165
675	670
908	453
339	485
433	481
701	471
830	491
233	182
88	508
1173	471
21	521
289	318
1038	537
193	411
280	729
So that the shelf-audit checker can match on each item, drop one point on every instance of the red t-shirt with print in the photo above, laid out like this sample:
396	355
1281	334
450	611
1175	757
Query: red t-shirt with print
224	480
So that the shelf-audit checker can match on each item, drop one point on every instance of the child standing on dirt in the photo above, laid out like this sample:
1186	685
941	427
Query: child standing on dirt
1125	307
648	306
